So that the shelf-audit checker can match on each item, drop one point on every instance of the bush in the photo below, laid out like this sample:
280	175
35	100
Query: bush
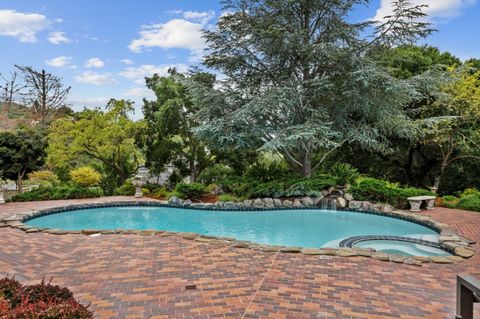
44	178
190	190
344	173
215	174
470	202
228	198
470	191
283	187
85	176
41	301
376	190
450	201
160	192
126	189
57	192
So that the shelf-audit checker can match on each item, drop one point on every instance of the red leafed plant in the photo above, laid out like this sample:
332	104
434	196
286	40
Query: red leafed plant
41	301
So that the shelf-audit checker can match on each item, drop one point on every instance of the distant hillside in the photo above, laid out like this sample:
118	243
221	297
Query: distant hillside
15	116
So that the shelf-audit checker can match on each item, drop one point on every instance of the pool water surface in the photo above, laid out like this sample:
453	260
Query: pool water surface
303	227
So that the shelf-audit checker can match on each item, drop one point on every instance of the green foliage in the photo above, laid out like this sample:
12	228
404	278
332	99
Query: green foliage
21	152
469	191
160	192
228	198
344	173
450	201
249	187
126	189
300	87
168	121
190	190
43	178
376	190
57	192
470	202
215	173
93	137
85	176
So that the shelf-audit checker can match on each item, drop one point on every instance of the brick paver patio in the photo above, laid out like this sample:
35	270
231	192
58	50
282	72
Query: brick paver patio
135	276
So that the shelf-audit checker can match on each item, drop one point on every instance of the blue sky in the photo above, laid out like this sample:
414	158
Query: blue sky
104	48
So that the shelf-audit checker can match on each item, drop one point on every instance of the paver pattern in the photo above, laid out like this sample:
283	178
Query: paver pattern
135	276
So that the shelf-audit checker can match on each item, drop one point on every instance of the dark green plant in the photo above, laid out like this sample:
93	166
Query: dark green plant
57	192
190	190
371	189
470	202
344	173
126	189
214	174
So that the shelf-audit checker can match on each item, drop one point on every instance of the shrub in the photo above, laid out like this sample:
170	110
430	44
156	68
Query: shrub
228	198
213	189
41	301
44	178
450	201
344	173
126	189
470	202
190	190
160	192
57	192
376	190
215	173
85	176
469	191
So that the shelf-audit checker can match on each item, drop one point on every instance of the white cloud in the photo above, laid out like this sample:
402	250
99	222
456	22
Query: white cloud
200	16
95	78
437	9
58	37
139	92
59	62
94	63
22	26
138	74
127	61
176	33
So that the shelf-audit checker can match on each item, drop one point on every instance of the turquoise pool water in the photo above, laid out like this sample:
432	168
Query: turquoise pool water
306	228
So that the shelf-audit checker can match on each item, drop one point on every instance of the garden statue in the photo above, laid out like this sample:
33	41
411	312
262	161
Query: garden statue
138	181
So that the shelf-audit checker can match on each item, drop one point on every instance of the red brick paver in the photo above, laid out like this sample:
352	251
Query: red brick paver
134	276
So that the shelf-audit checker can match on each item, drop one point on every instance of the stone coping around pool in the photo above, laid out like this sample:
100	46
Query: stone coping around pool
449	240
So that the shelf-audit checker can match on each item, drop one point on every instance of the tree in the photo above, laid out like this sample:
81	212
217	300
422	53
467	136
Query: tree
93	135
22	151
45	91
458	136
169	120
9	90
301	80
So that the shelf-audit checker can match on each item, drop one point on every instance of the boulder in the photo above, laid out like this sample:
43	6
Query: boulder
297	203
355	204
387	208
348	196
366	205
341	202
258	202
277	202
268	202
248	203
307	201
187	203
317	200
324	192
287	203
174	200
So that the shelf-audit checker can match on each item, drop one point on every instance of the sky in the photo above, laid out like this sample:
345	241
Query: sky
104	48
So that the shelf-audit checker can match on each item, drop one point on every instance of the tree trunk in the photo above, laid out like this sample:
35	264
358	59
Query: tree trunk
438	178
306	166
193	171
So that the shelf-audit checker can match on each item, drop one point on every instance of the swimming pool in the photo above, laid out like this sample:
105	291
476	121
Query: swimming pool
287	227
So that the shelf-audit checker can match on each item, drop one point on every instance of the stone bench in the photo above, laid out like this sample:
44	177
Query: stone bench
416	202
